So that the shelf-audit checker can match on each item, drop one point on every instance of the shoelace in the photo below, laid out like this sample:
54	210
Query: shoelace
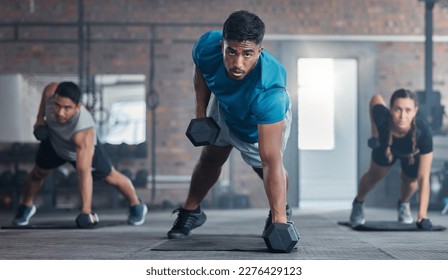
183	219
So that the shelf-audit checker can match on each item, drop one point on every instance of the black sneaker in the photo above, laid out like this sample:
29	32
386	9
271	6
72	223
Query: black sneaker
185	222
24	214
269	218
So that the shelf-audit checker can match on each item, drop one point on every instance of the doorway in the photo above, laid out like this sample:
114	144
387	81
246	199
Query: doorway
327	131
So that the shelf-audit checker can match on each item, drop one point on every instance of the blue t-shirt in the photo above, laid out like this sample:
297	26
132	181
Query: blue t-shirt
259	98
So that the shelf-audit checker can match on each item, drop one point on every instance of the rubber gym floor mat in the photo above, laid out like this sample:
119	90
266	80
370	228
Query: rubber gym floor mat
215	242
389	226
63	225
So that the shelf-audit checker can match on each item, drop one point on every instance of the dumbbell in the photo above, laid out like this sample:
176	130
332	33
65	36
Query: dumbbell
424	224
41	132
373	143
141	178
280	237
87	220
203	131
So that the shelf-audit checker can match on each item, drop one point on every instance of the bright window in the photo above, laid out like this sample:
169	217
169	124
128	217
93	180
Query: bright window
316	103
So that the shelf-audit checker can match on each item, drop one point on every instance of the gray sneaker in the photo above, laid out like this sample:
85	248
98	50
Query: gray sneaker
24	214
357	215
404	212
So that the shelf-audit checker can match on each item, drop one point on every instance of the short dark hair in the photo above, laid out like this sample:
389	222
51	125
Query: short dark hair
243	26
69	90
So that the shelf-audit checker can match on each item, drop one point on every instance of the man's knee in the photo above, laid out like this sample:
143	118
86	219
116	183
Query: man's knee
111	177
214	157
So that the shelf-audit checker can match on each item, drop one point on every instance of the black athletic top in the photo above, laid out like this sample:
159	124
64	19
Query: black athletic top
401	146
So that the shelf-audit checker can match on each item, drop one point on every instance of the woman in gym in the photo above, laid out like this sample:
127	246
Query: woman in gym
398	134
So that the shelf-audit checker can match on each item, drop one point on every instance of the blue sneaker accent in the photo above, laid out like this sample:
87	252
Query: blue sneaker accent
24	214
137	214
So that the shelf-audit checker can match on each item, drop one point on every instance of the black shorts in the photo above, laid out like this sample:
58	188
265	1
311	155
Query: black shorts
379	157
47	158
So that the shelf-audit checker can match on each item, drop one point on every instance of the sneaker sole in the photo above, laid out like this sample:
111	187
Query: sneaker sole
25	223
406	221
355	224
178	236
142	221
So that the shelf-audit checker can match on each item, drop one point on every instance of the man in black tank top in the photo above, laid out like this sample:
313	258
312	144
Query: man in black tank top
72	138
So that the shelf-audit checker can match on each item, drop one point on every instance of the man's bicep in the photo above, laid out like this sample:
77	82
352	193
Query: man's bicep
271	139
84	138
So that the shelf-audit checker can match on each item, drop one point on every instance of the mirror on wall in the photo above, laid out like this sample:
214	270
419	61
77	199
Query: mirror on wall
117	103
120	109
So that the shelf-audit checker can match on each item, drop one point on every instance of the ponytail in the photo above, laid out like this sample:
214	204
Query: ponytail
414	143
414	151
388	152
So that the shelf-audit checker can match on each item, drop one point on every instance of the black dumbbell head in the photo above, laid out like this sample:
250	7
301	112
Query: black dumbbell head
373	143
41	132
203	131
87	220
424	224
281	238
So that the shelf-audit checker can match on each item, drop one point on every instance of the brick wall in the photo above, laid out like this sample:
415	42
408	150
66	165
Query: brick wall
31	49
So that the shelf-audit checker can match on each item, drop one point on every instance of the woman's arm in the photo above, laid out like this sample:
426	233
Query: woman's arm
424	173
376	100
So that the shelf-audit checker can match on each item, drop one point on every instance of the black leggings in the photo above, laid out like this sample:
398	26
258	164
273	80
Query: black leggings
47	158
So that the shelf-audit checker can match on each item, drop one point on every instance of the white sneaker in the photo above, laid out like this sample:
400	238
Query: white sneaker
404	213
357	215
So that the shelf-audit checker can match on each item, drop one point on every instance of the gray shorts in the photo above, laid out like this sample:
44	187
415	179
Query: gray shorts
249	151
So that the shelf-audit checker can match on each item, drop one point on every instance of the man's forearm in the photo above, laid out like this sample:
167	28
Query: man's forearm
275	186
86	190
202	93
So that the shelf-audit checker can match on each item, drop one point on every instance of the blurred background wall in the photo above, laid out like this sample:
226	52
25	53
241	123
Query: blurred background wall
137	54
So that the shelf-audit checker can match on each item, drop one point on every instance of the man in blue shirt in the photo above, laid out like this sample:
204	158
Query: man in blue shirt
243	88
